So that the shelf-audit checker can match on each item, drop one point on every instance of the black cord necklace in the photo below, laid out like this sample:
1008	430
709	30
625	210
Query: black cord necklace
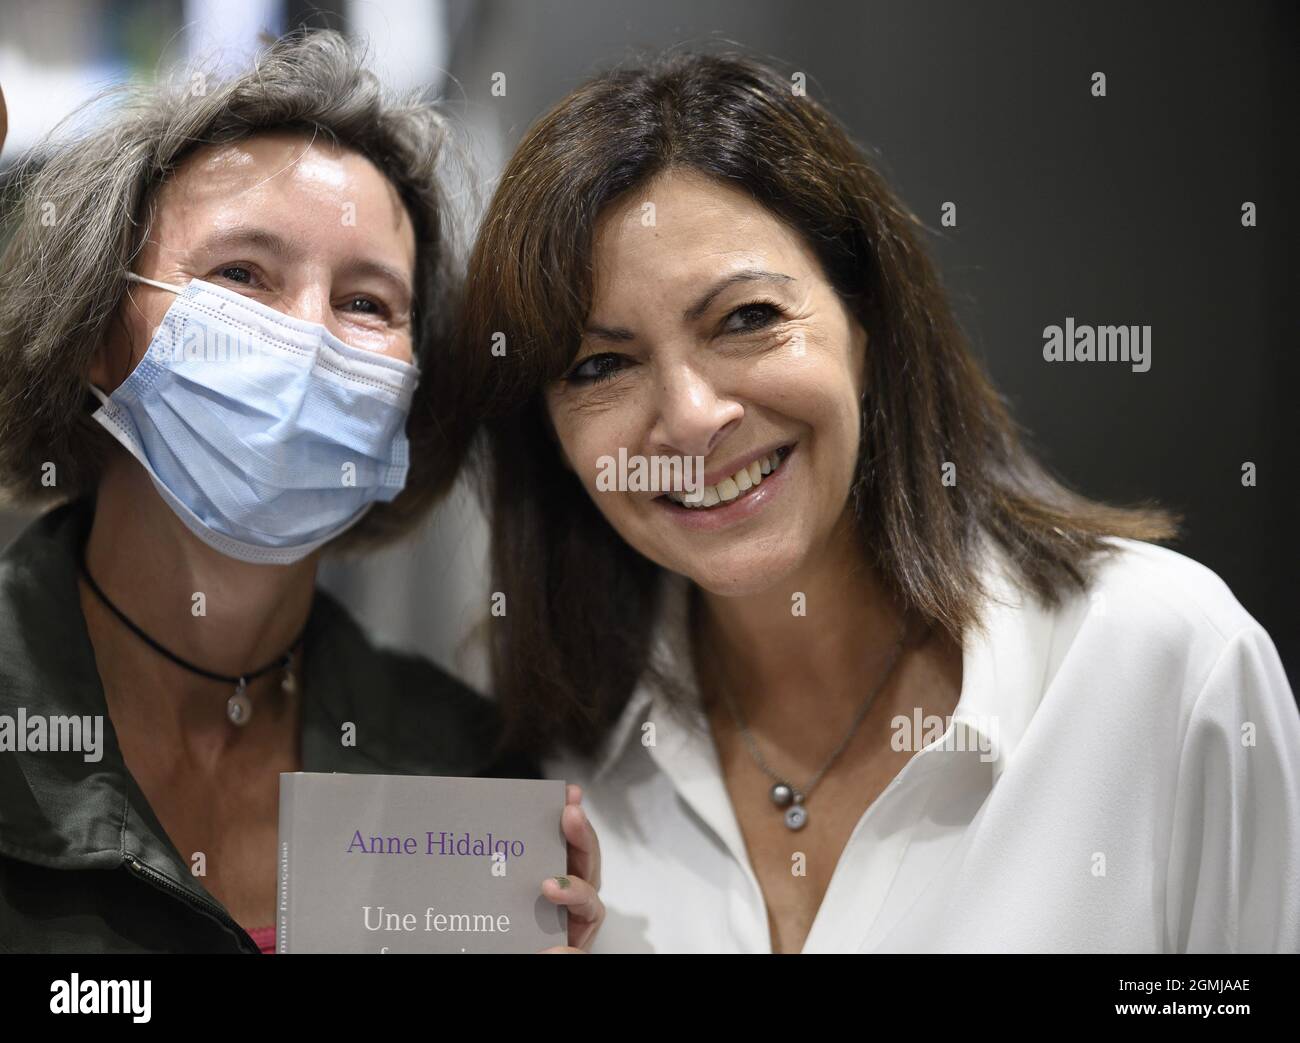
239	707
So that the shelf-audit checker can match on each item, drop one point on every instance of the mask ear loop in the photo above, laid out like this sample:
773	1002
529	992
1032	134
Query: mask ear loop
132	277
178	290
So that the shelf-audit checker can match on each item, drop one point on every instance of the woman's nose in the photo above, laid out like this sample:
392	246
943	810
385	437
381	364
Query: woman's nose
692	413
312	304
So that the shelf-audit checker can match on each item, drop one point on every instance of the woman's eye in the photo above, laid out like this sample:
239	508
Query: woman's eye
750	317
365	305
595	368
236	273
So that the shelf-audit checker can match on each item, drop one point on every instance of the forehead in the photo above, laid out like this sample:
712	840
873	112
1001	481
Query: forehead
305	188
683	226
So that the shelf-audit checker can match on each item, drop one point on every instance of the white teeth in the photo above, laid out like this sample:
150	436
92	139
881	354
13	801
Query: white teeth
729	488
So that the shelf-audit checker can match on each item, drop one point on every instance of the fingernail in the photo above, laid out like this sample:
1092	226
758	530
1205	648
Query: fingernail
563	881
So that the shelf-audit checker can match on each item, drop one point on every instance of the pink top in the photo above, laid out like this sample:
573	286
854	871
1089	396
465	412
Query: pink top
264	937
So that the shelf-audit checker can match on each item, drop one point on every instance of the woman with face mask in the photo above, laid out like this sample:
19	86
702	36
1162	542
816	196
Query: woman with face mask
222	317
843	668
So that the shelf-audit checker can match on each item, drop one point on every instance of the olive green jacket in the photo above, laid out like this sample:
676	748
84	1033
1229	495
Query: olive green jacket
85	865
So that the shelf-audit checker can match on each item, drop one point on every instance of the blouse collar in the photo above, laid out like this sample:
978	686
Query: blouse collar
1005	664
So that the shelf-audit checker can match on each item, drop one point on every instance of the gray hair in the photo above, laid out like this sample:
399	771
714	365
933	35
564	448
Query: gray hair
77	213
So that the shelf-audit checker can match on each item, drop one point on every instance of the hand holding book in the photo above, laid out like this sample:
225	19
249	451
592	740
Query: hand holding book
578	890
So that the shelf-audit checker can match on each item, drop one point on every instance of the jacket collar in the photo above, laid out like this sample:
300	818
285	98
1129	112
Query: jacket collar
61	810
1004	668
56	808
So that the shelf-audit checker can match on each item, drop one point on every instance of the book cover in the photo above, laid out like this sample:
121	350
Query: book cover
418	864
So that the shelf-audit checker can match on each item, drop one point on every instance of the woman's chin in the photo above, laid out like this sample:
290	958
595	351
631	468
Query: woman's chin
742	575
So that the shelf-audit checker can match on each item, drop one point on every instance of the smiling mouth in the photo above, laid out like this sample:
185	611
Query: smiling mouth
736	486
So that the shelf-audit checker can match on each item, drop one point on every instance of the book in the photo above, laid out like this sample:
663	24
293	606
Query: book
418	864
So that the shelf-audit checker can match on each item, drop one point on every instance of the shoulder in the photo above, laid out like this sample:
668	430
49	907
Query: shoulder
48	541
1165	705
1156	621
42	651
1151	615
1166	593
1171	626
1151	635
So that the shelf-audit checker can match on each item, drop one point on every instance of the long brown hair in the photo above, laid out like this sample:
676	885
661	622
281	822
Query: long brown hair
580	602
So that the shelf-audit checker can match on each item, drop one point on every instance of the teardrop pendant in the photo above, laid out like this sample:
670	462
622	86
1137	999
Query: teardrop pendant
239	708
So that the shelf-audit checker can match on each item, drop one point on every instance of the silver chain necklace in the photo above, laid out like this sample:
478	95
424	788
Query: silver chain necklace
795	801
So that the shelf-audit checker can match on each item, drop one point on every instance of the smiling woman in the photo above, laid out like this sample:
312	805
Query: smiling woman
777	335
691	259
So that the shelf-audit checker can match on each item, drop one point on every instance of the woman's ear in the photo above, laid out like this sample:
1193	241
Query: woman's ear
112	361
4	119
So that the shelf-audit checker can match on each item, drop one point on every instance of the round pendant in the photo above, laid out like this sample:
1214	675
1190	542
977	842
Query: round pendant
782	795
796	816
238	707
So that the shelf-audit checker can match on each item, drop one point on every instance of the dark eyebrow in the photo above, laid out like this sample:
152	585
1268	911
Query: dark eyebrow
744	275
618	333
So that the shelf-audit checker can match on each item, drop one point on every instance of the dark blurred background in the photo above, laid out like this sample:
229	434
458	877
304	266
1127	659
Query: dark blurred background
1119	210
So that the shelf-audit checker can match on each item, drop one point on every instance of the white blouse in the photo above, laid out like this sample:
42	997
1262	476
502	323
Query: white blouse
1120	774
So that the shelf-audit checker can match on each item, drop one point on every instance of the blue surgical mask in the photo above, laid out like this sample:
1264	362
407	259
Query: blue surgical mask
268	436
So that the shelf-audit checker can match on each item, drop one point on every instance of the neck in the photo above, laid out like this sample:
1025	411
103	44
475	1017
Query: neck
765	652
226	616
